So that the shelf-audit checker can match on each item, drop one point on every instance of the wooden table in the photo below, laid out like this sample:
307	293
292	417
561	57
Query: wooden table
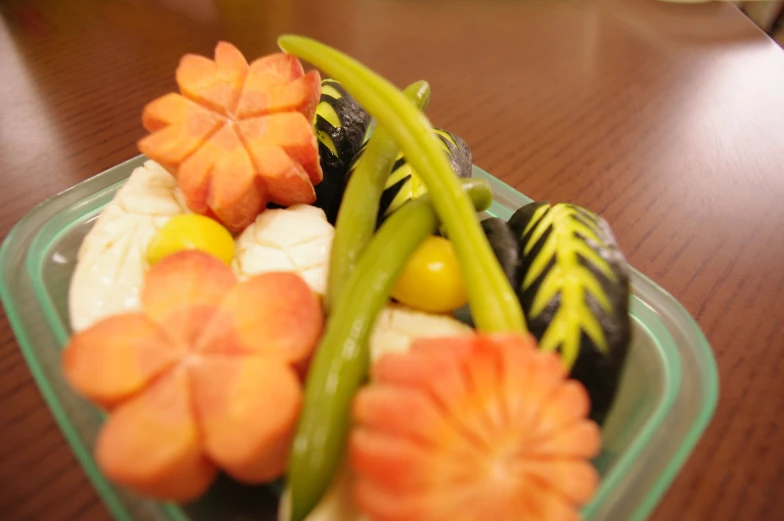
668	120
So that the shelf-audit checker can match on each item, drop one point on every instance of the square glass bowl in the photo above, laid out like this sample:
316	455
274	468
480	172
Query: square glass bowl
667	395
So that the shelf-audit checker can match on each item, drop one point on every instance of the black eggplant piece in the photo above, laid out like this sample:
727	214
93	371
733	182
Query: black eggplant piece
404	184
340	125
575	294
506	245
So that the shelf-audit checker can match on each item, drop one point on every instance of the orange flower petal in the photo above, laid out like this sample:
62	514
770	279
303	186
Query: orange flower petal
451	390
214	84
151	444
182	292
381	407
175	109
237	195
292	132
179	127
117	358
272	314
302	95
403	464
531	377
576	479
387	505
266	82
247	408
194	177
569	404
286	182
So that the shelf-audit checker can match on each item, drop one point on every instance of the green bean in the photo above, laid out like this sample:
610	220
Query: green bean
494	306
356	221
340	364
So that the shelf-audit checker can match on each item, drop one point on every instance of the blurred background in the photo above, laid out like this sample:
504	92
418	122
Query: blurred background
768	15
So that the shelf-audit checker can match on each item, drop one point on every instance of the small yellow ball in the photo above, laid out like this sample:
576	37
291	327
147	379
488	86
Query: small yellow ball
432	279
191	232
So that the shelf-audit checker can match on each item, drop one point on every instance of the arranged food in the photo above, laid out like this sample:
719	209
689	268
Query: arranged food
275	295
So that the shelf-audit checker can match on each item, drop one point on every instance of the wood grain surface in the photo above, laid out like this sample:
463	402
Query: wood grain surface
666	119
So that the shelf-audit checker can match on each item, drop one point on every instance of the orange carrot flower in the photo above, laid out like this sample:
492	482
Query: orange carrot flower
203	378
481	428
238	135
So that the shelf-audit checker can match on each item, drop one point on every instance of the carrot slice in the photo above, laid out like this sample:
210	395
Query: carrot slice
224	175
404	464
387	505
195	177
450	390
175	109
236	194
117	358
292	132
173	144
426	423
267	80
267	93
272	314
151	444
286	179
214	84
285	67
182	291
499	433
301	95
247	408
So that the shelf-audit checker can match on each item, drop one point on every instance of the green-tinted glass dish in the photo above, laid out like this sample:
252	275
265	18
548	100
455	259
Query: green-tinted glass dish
667	396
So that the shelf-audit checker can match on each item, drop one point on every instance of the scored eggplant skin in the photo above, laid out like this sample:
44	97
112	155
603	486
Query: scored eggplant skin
575	294
340	124
506	245
404	184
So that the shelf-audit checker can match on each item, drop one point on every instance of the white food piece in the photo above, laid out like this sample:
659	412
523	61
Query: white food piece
397	327
111	261
296	239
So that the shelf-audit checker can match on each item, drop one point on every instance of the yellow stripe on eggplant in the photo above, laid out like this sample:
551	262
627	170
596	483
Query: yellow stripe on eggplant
404	184
326	111
325	140
574	289
329	90
446	137
340	125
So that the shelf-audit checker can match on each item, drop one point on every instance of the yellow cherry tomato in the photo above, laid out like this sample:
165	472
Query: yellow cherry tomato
432	280
191	232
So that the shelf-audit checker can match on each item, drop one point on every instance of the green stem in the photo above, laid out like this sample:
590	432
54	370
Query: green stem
340	364
356	220
494	306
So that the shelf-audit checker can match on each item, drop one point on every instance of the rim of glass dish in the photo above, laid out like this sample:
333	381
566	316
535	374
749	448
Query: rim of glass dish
710	398
175	512
83	455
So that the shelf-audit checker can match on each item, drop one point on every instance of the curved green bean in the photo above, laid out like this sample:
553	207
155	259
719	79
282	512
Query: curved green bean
356	220
340	364
494	306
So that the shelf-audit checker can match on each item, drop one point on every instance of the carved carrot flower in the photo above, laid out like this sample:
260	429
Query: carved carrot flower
203	378
238	135
477	428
